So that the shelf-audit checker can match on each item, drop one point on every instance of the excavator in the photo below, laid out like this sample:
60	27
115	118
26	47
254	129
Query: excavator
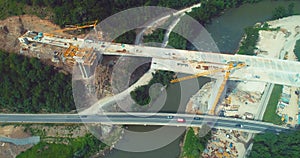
229	67
71	51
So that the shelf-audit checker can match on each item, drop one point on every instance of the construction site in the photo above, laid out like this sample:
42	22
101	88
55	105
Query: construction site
64	51
240	99
84	54
288	106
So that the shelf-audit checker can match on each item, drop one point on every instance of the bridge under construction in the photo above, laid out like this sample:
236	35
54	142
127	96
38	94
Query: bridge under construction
85	52
190	62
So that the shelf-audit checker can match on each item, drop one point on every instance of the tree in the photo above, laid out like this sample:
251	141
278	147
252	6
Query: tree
141	94
291	8
25	88
269	145
38	2
279	12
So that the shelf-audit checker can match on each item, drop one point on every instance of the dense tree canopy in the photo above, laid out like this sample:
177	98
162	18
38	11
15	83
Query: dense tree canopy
141	93
249	43
29	86
194	145
271	145
128	37
281	11
155	36
78	11
80	147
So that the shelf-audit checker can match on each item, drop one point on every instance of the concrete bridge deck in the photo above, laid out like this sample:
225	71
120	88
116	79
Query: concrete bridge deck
258	69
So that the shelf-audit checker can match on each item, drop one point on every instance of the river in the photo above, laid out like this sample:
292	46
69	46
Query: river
227	31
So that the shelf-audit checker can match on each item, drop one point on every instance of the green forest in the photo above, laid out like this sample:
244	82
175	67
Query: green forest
157	36
29	86
281	11
81	147
272	145
141	94
78	11
194	145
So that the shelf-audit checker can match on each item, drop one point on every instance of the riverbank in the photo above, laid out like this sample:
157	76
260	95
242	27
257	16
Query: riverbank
280	44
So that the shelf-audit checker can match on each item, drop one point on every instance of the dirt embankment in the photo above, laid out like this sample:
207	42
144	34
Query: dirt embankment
8	150
13	27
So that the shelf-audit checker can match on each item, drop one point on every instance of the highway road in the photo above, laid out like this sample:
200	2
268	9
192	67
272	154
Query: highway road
146	119
265	100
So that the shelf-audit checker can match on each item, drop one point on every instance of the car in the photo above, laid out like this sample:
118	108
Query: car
256	76
83	116
222	113
180	120
170	117
239	125
196	118
210	124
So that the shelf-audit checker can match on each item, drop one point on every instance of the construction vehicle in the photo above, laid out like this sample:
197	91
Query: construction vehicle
72	28
230	66
71	51
228	100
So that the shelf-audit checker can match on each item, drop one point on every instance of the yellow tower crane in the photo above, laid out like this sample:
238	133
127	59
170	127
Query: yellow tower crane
230	66
196	75
76	27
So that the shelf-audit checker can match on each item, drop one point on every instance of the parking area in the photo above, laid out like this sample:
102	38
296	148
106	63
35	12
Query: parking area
288	106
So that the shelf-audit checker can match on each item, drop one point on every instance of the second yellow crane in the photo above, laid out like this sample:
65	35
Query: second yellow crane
230	66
